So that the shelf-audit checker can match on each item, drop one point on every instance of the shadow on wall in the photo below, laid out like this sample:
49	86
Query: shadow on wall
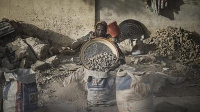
51	36
121	7
173	7
90	2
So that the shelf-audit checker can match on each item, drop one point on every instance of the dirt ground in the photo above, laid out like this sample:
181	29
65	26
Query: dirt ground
55	97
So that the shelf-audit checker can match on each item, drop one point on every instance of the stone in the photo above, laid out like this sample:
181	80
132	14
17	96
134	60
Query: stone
39	48
40	65
180	67
163	63
129	59
136	61
21	50
53	50
2	49
25	63
2	78
6	64
147	59
1	55
165	69
126	46
53	61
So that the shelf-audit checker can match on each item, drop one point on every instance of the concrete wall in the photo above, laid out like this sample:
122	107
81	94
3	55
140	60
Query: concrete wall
65	20
181	13
57	20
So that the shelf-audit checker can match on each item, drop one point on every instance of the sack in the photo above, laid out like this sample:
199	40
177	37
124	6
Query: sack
133	91
100	88
20	91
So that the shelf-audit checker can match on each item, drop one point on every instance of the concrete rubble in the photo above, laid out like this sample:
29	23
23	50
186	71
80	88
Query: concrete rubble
40	65
53	61
21	49
39	48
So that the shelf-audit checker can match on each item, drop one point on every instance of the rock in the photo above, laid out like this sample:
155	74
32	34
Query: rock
168	107
126	46
136	61
6	64
40	65
53	61
2	49
53	50
129	59
163	63
165	69
180	67
1	55
21	50
147	59
2	78
39	48
67	52
25	63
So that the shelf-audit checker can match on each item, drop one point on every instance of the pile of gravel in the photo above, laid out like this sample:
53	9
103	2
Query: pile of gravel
175	43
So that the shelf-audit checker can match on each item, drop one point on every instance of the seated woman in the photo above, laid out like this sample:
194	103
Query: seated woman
100	31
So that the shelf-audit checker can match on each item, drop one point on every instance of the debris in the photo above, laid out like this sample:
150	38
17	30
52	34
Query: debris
126	46
71	67
53	50
53	61
88	109
21	50
6	64
1	55
2	49
136	61
5	28
25	63
165	69
163	63
140	59
180	67
40	65
147	59
39	48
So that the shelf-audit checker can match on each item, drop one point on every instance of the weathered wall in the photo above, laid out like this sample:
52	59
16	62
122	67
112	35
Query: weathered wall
182	13
57	20
65	20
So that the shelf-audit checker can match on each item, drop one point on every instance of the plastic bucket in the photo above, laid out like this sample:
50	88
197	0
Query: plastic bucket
113	29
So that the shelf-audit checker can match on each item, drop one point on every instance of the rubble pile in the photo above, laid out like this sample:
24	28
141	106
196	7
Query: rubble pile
22	53
102	62
175	43
52	75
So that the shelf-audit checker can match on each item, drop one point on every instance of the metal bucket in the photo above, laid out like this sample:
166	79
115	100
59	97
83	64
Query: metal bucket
113	29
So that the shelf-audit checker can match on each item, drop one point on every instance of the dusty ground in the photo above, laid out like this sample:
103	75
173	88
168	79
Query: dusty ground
54	96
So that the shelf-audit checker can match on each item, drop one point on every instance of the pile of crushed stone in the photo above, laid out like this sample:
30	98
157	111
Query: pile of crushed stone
175	43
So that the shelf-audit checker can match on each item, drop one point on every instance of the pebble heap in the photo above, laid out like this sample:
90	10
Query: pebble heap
175	43
102	62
